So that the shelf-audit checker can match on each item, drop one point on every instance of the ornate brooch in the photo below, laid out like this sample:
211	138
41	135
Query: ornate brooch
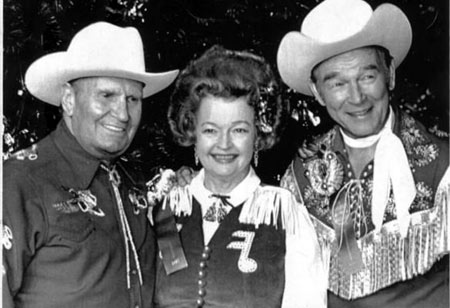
82	200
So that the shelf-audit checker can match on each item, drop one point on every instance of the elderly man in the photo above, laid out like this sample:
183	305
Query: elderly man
377	184
75	232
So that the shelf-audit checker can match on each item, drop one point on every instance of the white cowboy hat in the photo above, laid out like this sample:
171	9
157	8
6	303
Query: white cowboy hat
336	26
100	49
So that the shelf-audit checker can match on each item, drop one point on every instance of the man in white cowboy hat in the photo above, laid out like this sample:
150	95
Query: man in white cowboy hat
75	232
377	184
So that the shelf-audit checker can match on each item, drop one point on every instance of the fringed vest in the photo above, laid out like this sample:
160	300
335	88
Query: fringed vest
387	257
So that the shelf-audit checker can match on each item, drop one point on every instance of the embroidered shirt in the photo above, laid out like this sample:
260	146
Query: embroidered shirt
57	252
289	272
322	176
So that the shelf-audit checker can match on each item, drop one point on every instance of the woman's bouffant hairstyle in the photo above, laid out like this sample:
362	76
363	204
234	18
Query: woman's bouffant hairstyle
227	74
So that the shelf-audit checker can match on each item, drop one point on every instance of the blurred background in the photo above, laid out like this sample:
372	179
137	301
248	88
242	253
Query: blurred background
176	31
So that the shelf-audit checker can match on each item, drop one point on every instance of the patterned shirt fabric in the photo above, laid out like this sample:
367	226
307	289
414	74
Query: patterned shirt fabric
63	243
321	176
245	260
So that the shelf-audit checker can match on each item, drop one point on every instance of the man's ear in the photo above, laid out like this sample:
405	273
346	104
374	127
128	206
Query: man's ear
68	99
313	88
391	82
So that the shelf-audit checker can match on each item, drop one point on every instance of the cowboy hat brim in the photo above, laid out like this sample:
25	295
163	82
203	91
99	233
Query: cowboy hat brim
298	54
46	76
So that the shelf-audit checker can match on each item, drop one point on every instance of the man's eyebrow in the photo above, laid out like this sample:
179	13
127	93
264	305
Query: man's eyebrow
333	75
329	76
371	67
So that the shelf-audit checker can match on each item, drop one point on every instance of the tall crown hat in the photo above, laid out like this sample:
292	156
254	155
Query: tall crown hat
337	26
98	50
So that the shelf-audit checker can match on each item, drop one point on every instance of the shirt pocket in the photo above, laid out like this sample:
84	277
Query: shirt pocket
75	227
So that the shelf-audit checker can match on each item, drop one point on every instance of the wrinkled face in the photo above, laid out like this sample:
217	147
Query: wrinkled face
103	113
354	87
225	138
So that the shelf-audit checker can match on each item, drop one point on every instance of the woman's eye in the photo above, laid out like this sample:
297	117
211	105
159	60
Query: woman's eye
208	131
241	130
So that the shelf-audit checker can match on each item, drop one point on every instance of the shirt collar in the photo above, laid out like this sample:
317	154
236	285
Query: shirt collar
77	167
238	195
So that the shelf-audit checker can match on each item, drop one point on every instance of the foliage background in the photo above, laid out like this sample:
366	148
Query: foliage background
176	31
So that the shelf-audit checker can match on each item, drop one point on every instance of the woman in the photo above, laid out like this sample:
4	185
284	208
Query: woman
246	244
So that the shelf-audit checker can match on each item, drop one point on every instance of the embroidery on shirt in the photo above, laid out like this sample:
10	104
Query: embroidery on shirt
245	264
82	200
420	149
7	237
138	199
323	168
30	153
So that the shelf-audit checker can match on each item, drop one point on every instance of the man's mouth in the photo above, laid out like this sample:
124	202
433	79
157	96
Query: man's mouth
114	128
359	113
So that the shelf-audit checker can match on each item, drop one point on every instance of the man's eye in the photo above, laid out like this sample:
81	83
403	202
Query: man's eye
133	99
368	77
106	94
336	84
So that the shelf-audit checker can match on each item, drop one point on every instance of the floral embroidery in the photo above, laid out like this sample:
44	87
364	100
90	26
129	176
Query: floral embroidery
419	148
424	198
318	204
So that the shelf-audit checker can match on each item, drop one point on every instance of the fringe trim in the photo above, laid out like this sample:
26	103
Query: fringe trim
267	205
388	257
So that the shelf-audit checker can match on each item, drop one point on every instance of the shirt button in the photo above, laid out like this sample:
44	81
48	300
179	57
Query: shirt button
201	292
134	272
202	274
200	302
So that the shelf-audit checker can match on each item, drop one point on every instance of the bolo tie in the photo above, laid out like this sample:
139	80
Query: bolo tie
218	210
348	217
114	178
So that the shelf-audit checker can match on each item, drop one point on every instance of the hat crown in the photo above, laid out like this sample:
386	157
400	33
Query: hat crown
104	45
335	20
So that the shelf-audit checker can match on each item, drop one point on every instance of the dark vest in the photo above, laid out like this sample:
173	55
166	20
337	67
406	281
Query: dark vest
213	277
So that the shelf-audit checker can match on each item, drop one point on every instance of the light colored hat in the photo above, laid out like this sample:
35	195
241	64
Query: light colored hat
336	26
98	50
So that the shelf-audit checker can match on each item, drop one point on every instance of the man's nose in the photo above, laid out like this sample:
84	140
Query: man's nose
356	96
120	108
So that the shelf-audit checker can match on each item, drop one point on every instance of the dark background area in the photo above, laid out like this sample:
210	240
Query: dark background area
176	31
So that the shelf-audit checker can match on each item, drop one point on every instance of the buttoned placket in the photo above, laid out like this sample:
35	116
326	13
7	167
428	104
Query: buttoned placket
115	180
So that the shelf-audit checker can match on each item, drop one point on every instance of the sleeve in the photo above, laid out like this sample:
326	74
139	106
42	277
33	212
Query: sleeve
305	276
22	232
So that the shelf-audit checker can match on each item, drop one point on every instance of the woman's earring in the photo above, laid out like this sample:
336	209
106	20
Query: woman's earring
196	158
255	158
